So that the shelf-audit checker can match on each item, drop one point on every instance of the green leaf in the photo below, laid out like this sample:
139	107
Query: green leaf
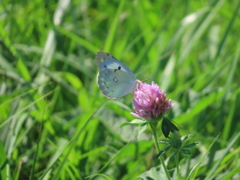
186	151
170	159
162	152
167	127
135	121
190	145
185	137
164	142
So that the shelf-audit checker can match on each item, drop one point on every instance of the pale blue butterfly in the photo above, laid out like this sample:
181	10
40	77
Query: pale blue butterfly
114	78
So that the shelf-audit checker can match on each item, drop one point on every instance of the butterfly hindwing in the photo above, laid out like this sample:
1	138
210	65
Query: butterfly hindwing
115	84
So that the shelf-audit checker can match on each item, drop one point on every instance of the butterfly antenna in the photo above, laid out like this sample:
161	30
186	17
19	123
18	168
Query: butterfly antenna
144	78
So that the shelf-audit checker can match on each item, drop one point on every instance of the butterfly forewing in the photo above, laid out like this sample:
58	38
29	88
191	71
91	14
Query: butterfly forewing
107	61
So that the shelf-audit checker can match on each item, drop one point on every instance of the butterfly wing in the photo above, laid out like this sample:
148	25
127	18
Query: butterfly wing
114	78
107	61
116	83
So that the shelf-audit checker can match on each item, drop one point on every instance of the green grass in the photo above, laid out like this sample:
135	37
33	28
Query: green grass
56	124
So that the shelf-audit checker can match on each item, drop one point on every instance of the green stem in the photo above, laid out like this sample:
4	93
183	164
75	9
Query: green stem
154	130
177	164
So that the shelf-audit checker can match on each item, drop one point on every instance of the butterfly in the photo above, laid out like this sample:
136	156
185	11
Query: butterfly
114	78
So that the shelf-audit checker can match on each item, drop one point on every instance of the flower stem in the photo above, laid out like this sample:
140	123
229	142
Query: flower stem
154	130
177	164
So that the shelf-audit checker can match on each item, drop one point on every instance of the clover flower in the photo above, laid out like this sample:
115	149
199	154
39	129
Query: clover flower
150	102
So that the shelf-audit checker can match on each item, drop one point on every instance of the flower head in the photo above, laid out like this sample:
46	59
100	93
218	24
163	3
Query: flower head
150	102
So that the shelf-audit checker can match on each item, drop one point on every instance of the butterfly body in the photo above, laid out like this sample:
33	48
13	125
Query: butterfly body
114	78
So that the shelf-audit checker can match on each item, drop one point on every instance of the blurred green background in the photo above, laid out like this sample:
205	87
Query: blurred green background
56	124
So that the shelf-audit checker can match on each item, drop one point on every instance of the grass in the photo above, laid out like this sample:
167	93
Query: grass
56	124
